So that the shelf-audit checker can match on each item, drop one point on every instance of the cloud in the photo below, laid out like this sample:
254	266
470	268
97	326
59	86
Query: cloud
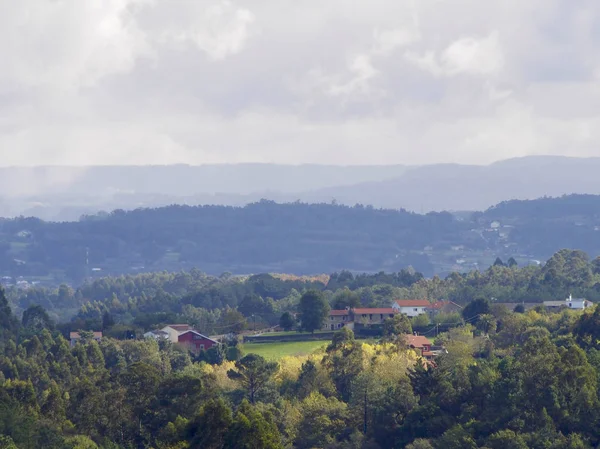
387	81
467	55
223	30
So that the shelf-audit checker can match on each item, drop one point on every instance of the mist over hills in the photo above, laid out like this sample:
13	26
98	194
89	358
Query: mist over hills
66	193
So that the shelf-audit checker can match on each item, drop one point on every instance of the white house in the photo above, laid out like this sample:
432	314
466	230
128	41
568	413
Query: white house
411	307
570	302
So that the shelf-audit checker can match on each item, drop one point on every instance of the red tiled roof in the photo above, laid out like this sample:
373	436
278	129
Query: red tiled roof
417	341
374	311
343	312
413	303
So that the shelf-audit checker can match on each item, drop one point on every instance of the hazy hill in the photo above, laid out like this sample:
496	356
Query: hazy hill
65	193
297	238
470	187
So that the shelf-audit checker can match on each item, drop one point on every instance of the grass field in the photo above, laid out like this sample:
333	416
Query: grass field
275	351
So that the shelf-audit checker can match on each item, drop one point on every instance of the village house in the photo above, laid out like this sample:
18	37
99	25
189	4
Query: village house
411	307
75	337
338	319
418	342
195	342
438	307
174	330
569	303
372	316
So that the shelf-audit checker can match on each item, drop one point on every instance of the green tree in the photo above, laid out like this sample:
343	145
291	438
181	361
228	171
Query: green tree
346	298
323	421
506	439
420	443
313	309
456	438
498	262
254	373
232	321
395	328
252	430
35	318
7	443
472	311
210	427
343	360
512	263
287	321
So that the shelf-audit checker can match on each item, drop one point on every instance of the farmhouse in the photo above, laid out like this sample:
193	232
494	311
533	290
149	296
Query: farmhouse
411	307
195	342
338	319
569	303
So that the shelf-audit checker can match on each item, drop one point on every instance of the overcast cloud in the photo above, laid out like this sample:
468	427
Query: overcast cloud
289	81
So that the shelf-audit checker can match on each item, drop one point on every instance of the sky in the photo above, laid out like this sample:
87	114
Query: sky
288	81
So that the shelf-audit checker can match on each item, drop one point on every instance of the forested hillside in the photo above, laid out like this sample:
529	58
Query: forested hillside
295	238
146	301
508	380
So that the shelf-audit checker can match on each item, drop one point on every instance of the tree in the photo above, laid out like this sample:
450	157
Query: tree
232	321
512	263
36	318
210	427
475	309
252	430
506	439
287	321
519	308
420	443
421	321
313	309
396	327
346	299
254	373
323	419
498	262
107	321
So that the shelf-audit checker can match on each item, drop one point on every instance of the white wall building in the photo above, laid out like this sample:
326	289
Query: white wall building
411	307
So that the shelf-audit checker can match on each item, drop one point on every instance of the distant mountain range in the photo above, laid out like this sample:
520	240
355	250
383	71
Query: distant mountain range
66	193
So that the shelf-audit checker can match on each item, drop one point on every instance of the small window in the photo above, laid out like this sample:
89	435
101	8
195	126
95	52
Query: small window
391	315
202	347
370	316
331	318
364	315
344	318
416	310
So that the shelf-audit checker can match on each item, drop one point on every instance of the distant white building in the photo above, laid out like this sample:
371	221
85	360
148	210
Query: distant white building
570	303
411	307
157	335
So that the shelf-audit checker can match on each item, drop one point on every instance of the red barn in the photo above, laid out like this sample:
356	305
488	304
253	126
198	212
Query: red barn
195	342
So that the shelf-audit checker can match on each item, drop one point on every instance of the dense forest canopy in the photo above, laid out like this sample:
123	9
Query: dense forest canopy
296	238
508	380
